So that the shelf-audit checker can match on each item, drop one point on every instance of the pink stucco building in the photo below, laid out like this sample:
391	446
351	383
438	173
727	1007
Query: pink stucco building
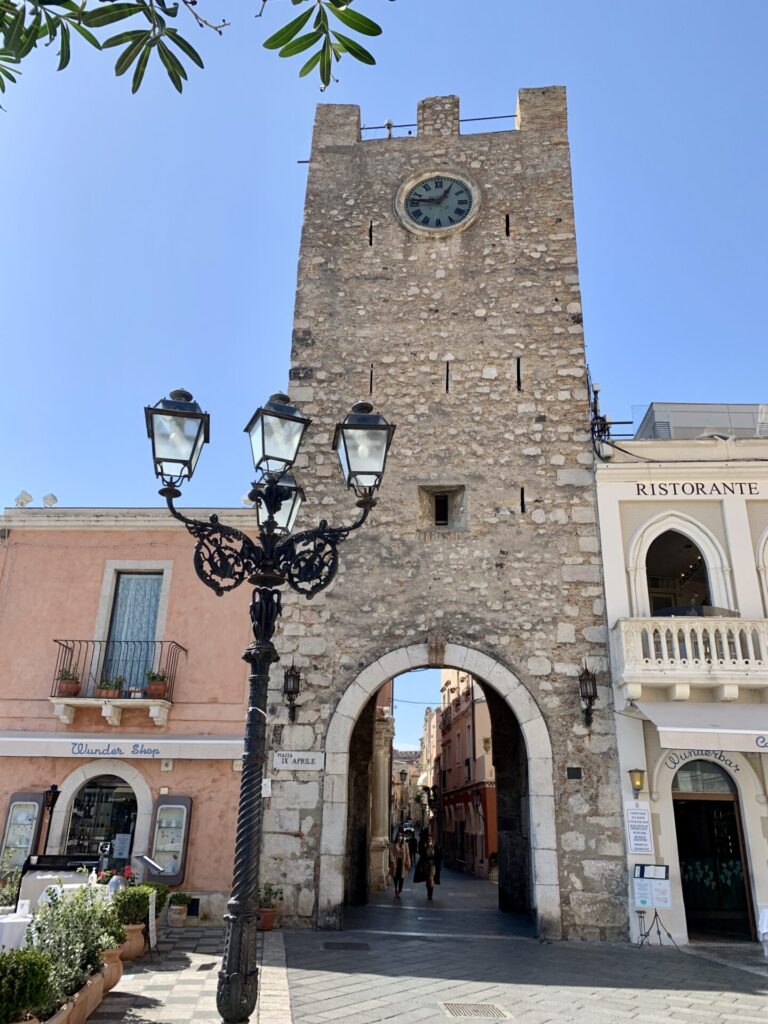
122	685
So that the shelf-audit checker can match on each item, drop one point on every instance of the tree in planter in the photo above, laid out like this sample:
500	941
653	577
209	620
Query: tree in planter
26	985
179	904
69	930
269	896
25	23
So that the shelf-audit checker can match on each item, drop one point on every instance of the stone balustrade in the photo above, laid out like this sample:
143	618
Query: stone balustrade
722	654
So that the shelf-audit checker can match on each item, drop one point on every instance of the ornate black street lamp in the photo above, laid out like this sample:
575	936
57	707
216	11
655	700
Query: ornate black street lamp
224	558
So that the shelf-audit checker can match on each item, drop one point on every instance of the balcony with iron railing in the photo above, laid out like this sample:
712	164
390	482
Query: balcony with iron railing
113	675
446	717
721	654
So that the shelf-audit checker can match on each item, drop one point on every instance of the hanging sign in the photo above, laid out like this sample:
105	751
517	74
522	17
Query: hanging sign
298	760
638	820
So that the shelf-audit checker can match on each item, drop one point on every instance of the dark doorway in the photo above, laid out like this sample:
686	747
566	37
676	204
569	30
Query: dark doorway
677	576
710	844
104	811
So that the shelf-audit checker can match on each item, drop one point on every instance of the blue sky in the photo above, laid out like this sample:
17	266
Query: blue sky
414	693
151	241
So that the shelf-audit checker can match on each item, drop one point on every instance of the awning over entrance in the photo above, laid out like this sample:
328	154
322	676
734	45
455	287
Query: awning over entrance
710	726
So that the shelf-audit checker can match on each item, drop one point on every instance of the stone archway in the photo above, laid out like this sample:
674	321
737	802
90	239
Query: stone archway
74	783
544	859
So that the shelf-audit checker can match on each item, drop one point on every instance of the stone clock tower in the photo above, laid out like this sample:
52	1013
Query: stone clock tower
438	280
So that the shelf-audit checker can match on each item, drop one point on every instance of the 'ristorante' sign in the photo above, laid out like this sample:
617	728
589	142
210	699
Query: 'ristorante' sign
692	488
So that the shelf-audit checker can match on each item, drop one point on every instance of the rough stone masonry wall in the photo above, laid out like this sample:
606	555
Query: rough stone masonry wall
523	587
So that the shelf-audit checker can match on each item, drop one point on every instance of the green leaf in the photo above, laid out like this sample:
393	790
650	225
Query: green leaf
326	56
186	47
321	20
355	49
14	30
123	37
170	60
357	21
141	67
130	53
110	13
88	36
313	61
300	44
64	48
287	32
30	36
51	26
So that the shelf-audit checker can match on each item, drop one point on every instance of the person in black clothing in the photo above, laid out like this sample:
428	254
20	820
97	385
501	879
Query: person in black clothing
428	867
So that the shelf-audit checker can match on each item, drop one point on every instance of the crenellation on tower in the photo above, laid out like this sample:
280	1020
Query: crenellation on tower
438	115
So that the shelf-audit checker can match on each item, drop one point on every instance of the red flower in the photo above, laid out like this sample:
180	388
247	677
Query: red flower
127	872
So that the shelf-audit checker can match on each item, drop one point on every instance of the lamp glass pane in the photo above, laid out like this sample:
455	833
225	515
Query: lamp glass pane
366	450
175	439
281	440
341	451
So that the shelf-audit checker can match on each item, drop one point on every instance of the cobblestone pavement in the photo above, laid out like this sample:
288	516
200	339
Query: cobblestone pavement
406	961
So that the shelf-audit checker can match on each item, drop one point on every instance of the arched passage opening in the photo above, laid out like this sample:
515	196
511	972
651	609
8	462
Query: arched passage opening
527	855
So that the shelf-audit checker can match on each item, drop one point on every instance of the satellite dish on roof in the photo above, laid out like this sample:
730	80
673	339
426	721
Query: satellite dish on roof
22	499
49	500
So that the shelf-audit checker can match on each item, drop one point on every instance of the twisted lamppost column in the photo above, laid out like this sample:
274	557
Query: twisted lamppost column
224	558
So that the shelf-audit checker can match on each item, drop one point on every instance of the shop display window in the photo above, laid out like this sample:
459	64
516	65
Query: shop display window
171	837
22	828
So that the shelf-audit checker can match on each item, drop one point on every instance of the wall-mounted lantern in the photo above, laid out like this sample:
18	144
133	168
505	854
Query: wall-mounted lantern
587	692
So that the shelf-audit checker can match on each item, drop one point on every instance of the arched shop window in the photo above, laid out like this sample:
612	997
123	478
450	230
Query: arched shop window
104	811
702	777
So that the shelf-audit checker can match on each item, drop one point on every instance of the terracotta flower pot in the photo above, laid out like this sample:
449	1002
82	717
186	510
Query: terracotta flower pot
155	689
102	692
69	687
79	1005
133	946
265	922
113	968
94	993
62	1015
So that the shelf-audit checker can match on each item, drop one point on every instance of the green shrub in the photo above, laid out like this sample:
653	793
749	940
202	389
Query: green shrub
180	899
9	882
73	930
25	983
113	932
269	895
162	894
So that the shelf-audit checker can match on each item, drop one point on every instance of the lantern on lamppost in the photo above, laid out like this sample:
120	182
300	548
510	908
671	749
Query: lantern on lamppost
225	558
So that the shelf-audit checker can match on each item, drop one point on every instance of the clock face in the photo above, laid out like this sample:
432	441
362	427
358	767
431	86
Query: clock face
438	202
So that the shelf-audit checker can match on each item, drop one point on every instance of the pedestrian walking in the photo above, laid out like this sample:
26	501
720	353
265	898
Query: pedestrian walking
428	866
399	863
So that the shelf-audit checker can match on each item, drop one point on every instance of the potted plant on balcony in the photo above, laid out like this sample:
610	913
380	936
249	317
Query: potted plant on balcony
178	904
110	687
69	682
269	897
157	685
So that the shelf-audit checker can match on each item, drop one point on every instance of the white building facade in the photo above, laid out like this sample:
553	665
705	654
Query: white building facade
684	534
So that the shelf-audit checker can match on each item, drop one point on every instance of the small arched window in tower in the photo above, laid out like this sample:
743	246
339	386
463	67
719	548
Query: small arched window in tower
677	576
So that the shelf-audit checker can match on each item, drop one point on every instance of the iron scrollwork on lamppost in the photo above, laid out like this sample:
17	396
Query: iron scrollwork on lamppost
225	557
